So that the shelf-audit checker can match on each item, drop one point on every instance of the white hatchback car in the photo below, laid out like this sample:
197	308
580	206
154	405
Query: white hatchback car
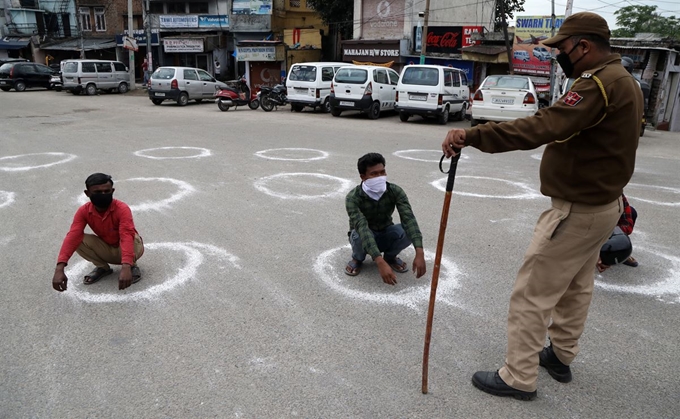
504	98
182	84
365	88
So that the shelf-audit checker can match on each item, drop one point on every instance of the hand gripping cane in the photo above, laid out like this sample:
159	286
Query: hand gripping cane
438	259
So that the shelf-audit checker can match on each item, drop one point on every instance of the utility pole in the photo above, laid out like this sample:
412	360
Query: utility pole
79	28
553	85
149	55
133	84
423	42
508	48
556	72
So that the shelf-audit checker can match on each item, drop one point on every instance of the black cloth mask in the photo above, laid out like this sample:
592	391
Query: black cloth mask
101	200
565	62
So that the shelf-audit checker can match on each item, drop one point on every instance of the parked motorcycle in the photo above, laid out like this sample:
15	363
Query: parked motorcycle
237	93
271	97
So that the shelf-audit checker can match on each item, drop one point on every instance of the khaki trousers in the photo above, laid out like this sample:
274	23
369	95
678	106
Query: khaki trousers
556	280
97	251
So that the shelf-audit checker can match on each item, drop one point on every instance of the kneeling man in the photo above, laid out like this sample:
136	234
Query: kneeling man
115	240
370	207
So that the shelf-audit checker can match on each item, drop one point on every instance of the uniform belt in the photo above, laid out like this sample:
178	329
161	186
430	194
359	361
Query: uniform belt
584	208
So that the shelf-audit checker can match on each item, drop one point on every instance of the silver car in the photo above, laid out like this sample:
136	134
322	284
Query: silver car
182	84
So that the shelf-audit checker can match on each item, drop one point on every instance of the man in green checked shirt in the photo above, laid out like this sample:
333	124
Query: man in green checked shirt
370	207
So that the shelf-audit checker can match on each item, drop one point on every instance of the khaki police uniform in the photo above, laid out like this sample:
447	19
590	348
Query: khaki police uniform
591	135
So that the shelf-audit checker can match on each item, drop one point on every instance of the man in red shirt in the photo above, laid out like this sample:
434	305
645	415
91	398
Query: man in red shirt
114	241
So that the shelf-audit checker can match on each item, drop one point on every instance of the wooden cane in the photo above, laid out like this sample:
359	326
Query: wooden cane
437	261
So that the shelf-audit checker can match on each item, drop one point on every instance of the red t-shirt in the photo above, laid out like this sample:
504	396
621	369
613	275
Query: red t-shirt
115	227
145	66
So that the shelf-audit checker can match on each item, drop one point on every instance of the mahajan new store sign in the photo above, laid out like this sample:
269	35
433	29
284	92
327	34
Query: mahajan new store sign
193	21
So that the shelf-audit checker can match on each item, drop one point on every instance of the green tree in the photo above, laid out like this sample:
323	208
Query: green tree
337	14
509	7
638	19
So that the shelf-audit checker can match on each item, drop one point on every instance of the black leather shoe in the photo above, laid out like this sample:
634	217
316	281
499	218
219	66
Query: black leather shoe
557	370
492	383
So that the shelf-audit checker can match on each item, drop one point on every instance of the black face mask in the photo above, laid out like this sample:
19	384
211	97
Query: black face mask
101	200
565	62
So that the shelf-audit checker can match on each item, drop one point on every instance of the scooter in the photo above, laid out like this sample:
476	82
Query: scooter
271	97
237	93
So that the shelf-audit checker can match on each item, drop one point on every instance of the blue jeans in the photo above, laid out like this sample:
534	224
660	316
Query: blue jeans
391	241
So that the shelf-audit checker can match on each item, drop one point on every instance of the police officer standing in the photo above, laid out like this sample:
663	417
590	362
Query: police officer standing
592	136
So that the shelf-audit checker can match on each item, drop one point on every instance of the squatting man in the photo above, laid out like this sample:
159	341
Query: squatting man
370	207
115	239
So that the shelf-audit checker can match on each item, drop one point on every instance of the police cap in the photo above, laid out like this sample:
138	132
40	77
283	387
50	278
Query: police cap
582	23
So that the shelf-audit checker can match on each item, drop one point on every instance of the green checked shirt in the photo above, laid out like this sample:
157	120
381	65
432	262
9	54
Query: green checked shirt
366	214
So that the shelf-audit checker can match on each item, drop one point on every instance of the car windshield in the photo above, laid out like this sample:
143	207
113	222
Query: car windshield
351	75
303	73
421	76
506	82
164	73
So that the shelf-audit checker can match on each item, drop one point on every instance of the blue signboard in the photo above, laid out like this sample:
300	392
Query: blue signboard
140	37
213	21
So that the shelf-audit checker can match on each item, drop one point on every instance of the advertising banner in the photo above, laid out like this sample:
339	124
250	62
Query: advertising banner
529	55
140	37
252	7
178	21
256	53
446	39
213	21
383	19
183	45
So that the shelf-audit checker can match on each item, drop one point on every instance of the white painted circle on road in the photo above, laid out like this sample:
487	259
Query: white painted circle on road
633	190
302	185
669	286
193	252
292	154
183	189
526	191
428	156
7	166
409	291
6	198
201	152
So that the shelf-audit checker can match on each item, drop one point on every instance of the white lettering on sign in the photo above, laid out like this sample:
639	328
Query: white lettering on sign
178	21
371	52
256	53
183	45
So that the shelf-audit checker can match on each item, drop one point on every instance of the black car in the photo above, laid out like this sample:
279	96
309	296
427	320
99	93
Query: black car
13	60
22	75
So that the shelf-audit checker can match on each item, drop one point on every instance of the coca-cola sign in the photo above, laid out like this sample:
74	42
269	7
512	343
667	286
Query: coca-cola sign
447	39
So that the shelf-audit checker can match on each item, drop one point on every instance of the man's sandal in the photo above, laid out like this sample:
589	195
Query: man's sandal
96	275
353	268
136	274
631	262
398	265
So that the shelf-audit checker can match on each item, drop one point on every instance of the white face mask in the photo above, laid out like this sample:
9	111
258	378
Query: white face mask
375	187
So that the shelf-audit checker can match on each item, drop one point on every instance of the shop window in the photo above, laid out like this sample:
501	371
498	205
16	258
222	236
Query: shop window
156	7
176	8
199	7
100	19
85	23
294	3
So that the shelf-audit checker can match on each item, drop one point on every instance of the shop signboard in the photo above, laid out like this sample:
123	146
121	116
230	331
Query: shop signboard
178	21
252	7
140	37
383	19
446	39
183	45
256	53
213	21
529	55
371	51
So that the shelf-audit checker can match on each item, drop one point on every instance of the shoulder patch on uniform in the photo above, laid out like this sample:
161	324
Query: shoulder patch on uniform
572	98
586	75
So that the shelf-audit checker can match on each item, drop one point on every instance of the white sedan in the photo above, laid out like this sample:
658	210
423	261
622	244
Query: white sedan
504	98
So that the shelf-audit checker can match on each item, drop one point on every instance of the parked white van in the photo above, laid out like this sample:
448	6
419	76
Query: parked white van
432	90
309	84
366	88
93	75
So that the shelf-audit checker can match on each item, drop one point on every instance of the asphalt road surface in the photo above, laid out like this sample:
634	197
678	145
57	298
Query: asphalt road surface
244	309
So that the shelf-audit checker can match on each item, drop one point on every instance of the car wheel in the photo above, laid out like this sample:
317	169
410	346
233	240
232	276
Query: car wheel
460	116
123	88
297	108
404	116
254	104
326	105
374	110
444	117
5	89
91	90
335	111
223	106
267	104
183	99
156	101
20	86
